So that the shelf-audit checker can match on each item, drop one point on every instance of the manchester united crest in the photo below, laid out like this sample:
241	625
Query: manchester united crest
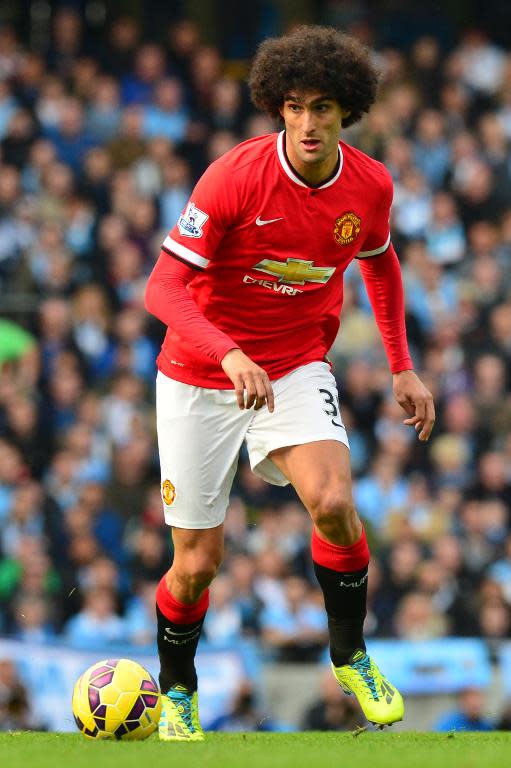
168	492
346	228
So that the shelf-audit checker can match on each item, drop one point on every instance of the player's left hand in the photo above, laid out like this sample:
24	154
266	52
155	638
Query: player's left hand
417	401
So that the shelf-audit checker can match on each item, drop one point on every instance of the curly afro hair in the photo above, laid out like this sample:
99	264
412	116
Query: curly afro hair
314	58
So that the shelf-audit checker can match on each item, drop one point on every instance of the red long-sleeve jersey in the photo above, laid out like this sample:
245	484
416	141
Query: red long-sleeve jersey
257	258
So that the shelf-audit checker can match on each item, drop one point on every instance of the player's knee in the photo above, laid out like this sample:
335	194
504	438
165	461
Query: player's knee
334	514
197	573
201	579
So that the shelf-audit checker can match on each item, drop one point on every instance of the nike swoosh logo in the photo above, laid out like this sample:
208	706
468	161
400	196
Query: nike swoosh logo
261	222
181	634
181	638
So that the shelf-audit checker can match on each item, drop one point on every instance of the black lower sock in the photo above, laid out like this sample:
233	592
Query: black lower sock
345	597
177	646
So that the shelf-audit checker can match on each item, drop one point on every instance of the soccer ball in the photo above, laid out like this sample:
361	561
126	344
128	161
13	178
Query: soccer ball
116	699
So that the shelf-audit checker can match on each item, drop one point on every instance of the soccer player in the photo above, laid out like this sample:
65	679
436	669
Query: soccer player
250	284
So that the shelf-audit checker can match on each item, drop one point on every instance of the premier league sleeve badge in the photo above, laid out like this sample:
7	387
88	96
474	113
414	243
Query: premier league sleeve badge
191	221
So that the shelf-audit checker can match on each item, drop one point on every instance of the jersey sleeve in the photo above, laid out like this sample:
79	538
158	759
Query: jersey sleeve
382	278
167	298
211	209
378	238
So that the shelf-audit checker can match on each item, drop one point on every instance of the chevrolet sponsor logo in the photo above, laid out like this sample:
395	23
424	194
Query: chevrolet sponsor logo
271	285
295	271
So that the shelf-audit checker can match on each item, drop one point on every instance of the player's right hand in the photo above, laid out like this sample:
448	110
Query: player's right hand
248	377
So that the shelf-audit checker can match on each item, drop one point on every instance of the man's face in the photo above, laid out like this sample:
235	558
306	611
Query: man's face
313	124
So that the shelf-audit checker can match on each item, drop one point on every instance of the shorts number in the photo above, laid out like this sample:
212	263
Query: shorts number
332	402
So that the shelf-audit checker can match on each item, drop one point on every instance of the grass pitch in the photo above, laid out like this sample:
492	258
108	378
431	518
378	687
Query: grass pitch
261	750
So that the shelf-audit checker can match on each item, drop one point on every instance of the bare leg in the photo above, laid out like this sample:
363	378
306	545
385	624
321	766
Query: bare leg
320	473
197	557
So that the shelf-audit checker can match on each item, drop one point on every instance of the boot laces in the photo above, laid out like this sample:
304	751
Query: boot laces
363	667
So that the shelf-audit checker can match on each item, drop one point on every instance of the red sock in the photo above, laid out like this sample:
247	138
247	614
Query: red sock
354	557
178	612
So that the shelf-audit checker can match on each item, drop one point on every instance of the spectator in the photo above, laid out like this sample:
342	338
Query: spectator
175	192
241	573
150	555
223	621
18	352
381	491
468	716
103	114
295	630
8	106
69	136
481	62
15	713
245	715
332	711
97	623
500	571
445	237
127	145
431	148
32	624
166	116
140	627
504	723
412	208
417	619
149	68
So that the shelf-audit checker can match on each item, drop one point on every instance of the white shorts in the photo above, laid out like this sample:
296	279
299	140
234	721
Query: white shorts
200	433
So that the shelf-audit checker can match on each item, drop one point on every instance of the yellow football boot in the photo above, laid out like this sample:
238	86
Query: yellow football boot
381	703
179	719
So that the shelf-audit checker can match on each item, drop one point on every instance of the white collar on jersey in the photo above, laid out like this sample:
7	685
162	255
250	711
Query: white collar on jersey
292	175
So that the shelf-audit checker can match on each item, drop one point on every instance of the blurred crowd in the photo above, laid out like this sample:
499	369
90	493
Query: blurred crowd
98	155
